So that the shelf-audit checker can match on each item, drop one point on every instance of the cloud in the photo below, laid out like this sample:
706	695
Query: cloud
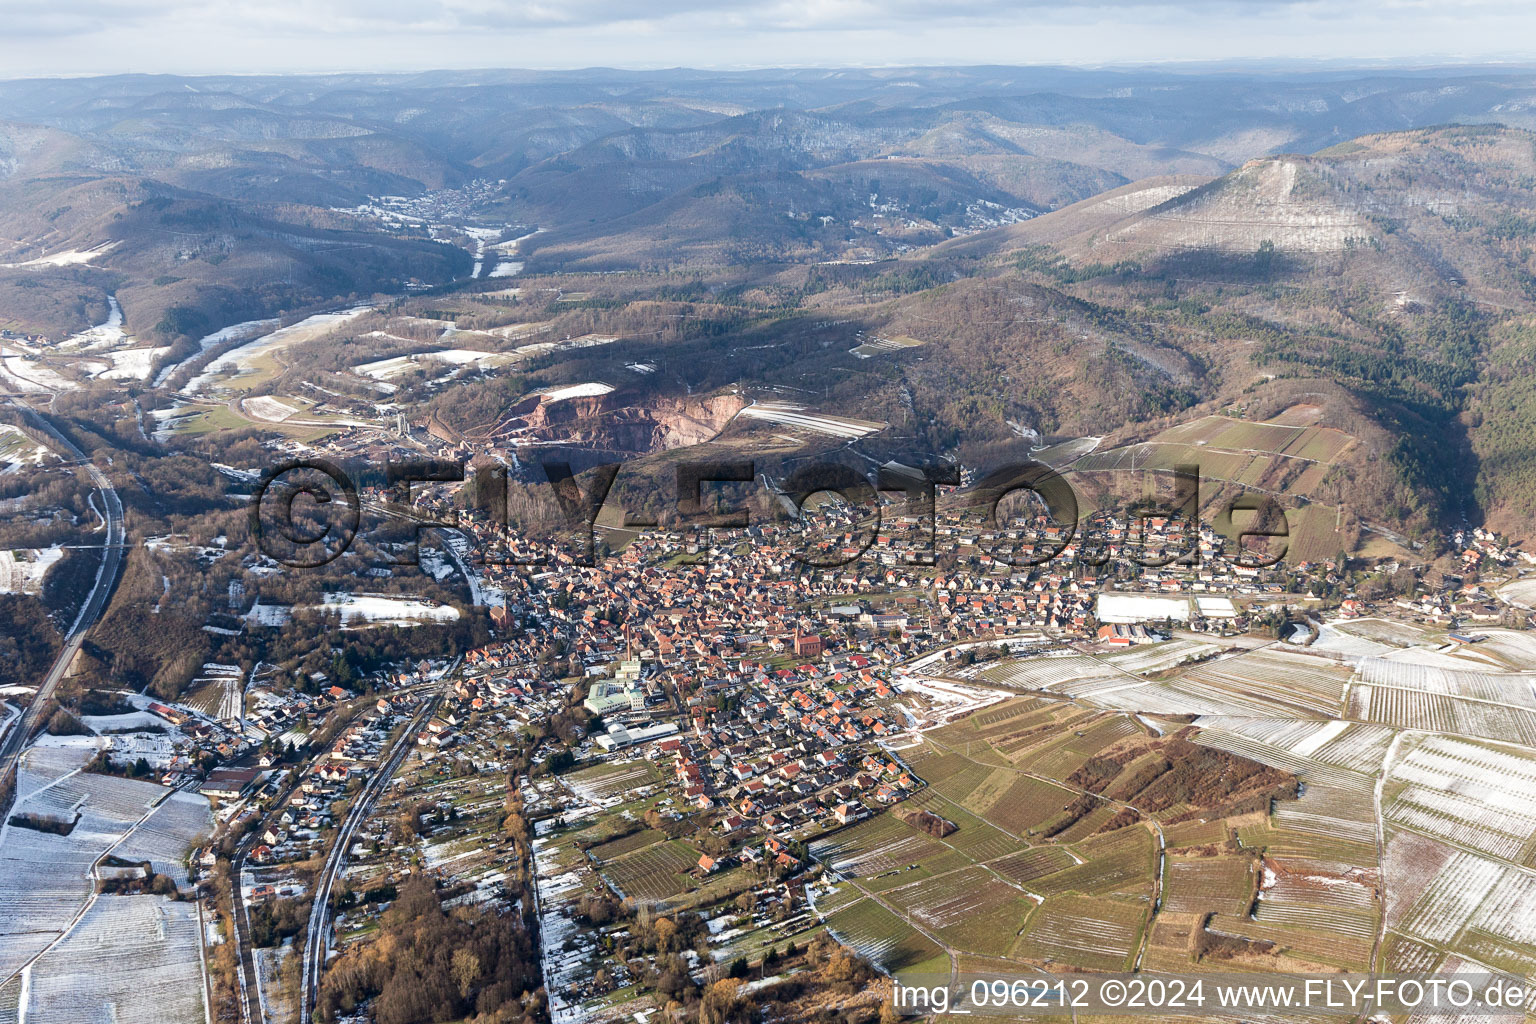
79	36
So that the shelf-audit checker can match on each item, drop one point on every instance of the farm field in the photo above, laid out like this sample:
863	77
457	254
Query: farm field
885	939
1050	671
655	873
1304	685
1437	712
606	781
1094	934
1206	885
970	909
1122	861
133	959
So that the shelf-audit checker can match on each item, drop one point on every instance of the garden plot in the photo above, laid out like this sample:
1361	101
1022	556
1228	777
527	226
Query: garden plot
1455	658
1318	900
1014	802
1500	834
131	960
616	848
1361	748
605	782
1335	640
222	696
653	874
43	884
1160	657
1510	909
166	835
1309	769
1027	865
1335	801
1122	861
1324	946
1515	648
1520	593
1387	631
1177	697
1332	810
44	878
1094	934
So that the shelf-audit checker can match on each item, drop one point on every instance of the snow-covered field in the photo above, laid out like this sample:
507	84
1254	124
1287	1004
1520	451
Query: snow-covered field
20	373
132	363
108	334
22	571
376	609
265	407
790	415
131	960
18	448
1140	608
590	389
65	258
214	340
45	879
242	359
1520	592
395	366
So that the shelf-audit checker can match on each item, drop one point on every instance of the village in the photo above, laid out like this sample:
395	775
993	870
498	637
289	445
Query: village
689	725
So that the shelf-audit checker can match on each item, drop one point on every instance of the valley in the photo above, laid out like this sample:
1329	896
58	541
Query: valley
715	546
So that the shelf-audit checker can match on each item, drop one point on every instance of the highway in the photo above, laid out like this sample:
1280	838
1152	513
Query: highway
317	941
90	610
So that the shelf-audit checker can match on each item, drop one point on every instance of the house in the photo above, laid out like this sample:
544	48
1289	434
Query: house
707	864
229	783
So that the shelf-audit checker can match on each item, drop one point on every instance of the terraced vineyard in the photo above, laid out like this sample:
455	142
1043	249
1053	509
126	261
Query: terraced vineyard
1289	881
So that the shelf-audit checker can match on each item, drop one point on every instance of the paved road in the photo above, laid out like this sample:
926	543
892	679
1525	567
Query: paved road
95	603
317	937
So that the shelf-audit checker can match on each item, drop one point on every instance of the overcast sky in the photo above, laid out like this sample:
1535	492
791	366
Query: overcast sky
51	37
